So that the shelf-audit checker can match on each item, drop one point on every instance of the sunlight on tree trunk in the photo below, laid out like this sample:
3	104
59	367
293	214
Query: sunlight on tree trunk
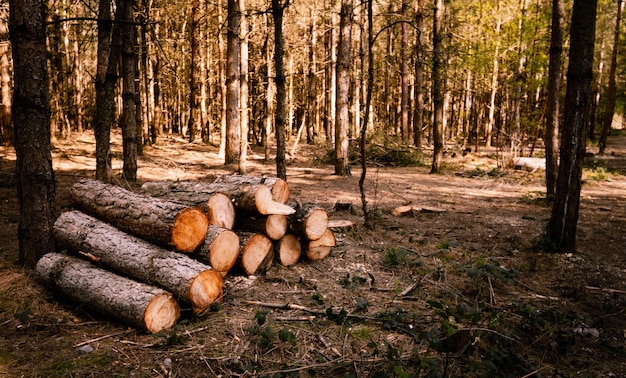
342	142
233	139
243	95
438	86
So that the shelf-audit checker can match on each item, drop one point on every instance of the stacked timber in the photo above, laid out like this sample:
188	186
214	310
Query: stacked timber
175	241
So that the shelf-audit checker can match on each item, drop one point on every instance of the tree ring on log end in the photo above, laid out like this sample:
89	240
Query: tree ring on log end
276	226
224	251
205	289
221	211
161	313
189	229
280	191
316	224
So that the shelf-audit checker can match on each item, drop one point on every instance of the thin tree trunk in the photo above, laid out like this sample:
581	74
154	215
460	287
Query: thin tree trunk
331	77
554	96
281	111
404	75
6	82
193	124
243	95
611	91
494	84
438	86
311	82
222	74
129	129
561	234
342	142
232	84
368	104
418	118
269	94
36	188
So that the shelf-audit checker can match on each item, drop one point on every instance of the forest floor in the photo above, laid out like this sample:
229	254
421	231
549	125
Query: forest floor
462	288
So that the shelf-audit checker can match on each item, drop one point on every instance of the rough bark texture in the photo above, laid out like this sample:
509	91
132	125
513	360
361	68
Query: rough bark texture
257	253
273	226
130	138
564	219
309	221
218	206
281	95
185	277
320	248
165	223
342	118
279	187
437	90
232	84
220	249
288	250
36	187
129	301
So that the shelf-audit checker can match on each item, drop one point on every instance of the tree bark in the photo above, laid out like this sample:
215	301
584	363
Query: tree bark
186	278
220	249
288	250
438	86
244	90
404	74
279	187
309	221
418	117
280	116
257	253
232	84
554	97
319	249
273	226
609	111
561	234
137	304
342	124
36	187
6	83
129	56
195	85
168	224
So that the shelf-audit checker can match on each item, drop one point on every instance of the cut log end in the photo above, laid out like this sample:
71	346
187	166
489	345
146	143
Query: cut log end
288	250
276	226
257	254
280	191
320	248
221	211
266	205
206	289
189	230
224	251
316	224
161	313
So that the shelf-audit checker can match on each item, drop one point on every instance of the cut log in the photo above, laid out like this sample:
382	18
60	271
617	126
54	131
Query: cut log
278	187
166	223
409	211
273	226
134	303
288	250
251	198
220	249
188	279
309	221
319	249
217	205
257	253
340	223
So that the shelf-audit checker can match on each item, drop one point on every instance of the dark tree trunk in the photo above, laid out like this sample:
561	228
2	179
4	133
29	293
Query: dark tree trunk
129	129
193	125
404	73
281	106
36	188
418	118
561	234
611	90
232	84
342	119
438	89
554	94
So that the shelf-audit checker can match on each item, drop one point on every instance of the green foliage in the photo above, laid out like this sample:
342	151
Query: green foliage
491	269
396	257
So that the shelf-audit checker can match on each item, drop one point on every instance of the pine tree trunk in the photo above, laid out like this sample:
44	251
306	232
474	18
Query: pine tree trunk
280	116
129	127
168	224
244	90
438	86
342	119
186	278
131	302
232	84
193	124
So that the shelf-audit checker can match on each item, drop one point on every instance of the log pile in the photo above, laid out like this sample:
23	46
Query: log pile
144	254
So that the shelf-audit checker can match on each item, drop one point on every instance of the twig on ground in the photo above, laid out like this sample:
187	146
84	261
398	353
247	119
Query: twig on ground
102	338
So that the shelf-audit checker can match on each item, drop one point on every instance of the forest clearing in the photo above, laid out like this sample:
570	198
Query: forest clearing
461	287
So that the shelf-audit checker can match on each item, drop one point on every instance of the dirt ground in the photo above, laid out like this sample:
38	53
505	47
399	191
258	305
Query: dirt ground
459	289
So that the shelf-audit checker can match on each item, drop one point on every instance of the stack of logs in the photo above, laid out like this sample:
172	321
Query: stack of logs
176	241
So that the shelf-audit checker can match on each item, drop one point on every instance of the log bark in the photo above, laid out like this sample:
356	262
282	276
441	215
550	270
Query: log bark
257	253
309	221
278	187
165	223
288	250
273	226
219	208
220	249
254	198
131	302
319	249
186	278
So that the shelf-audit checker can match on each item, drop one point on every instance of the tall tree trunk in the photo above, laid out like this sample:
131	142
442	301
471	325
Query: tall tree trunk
269	94
281	107
554	96
418	118
6	83
611	91
311	82
232	84
561	234
438	86
31	116
494	83
369	223
243	81
129	126
193	124
404	74
342	142
106	79
330	72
